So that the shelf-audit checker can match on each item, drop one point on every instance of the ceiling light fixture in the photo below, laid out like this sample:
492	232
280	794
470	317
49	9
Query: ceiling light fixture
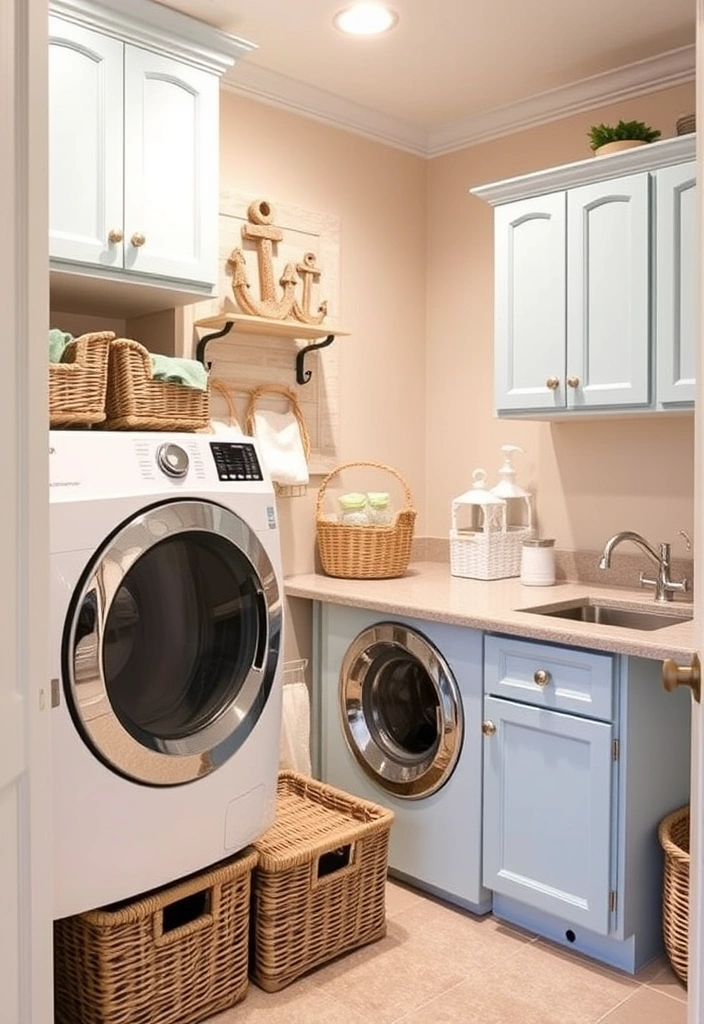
365	19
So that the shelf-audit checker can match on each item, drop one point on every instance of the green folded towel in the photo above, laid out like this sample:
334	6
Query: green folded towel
58	340
188	372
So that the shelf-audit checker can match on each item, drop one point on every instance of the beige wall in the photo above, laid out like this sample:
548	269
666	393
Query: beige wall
591	477
379	194
417	297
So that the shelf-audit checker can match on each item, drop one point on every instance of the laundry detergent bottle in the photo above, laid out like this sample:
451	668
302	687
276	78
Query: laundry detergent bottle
519	502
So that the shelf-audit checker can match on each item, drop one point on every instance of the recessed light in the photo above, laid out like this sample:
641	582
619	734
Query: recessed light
365	19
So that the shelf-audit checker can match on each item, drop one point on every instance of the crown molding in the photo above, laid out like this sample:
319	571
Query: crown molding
296	97
158	28
675	67
651	157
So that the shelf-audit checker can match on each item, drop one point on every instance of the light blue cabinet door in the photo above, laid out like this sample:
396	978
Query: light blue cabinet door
547	811
529	304
608	268
676	282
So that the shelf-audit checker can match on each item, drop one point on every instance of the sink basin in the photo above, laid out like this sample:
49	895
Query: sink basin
610	615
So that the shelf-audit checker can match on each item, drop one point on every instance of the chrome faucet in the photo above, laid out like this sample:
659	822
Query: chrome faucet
664	586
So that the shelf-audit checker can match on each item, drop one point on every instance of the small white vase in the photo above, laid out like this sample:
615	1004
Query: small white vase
618	145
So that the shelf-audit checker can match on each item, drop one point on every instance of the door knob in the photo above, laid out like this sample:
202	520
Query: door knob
488	728
553	383
674	675
115	236
573	382
138	239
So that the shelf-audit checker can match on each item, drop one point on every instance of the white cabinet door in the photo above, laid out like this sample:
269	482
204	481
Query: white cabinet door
85	144
529	300
676	295
608	291
171	168
547	811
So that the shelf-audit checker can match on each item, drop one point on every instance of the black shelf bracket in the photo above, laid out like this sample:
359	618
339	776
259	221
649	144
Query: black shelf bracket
200	347
302	375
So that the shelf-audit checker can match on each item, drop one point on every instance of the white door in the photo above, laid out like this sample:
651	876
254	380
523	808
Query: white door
25	853
171	168
608	282
85	145
696	840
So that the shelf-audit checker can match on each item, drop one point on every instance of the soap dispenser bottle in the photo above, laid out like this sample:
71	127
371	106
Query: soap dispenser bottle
519	502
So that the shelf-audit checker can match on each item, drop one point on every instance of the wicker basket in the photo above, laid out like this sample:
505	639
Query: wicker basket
174	956
78	384
137	402
487	556
673	833
319	887
365	552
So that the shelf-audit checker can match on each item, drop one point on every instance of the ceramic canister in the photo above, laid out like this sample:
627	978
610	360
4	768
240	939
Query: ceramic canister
538	562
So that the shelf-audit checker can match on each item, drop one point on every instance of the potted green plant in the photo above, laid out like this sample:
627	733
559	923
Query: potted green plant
608	138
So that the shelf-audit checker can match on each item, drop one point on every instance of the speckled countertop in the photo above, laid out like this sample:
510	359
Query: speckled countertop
428	591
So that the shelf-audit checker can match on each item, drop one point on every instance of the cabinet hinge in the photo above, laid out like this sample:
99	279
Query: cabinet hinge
613	901
615	750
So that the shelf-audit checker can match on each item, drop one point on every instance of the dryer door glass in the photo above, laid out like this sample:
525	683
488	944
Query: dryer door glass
174	642
401	710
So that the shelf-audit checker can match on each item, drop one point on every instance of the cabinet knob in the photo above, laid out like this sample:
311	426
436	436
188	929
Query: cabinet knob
553	383
573	382
488	728
541	677
115	236
674	675
138	239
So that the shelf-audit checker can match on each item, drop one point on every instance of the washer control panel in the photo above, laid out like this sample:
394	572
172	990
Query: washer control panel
236	460
172	460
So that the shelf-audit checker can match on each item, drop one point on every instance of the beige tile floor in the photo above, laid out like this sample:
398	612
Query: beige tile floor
439	965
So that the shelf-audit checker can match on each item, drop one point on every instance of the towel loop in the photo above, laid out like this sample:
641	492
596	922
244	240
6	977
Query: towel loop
219	386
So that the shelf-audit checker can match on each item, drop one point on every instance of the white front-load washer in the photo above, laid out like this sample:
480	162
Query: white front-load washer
399	723
166	647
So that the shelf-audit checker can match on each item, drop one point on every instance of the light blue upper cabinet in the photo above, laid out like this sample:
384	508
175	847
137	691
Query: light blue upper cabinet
676	277
530	303
595	285
608	324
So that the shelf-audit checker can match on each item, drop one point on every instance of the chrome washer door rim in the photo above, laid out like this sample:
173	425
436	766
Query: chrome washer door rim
417	776
183	759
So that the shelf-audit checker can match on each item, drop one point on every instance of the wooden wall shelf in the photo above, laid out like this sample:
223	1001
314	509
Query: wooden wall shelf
223	323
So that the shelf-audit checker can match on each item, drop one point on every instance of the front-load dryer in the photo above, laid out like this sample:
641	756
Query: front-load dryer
400	715
166	633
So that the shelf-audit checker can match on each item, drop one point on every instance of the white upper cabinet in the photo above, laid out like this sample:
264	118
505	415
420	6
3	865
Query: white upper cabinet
85	144
171	168
595	274
676	276
134	142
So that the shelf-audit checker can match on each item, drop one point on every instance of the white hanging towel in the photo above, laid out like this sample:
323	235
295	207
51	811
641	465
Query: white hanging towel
295	729
279	438
283	436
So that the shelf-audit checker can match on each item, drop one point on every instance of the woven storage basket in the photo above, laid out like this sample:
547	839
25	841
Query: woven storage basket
139	963
673	833
365	552
78	384
137	402
319	887
487	556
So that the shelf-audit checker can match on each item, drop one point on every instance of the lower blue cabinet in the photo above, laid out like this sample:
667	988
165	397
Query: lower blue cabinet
583	754
547	810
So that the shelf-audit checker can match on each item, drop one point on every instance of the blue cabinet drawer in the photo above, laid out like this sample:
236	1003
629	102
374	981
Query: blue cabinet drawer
559	678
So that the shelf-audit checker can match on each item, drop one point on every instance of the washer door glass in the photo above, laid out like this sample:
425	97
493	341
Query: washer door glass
401	710
173	641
